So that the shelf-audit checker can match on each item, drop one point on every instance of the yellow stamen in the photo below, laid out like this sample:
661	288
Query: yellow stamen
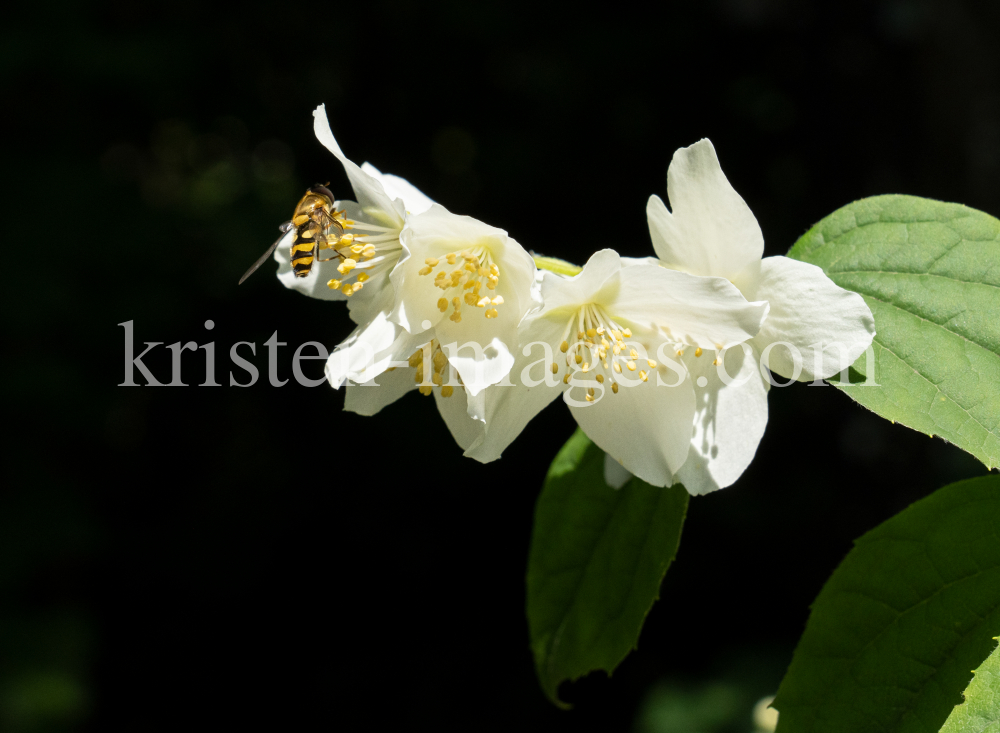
555	369
614	387
446	391
431	261
630	365
333	284
363	277
600	378
346	266
564	347
697	352
652	364
443	304
425	270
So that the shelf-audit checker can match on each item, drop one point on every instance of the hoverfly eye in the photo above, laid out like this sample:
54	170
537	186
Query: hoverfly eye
322	190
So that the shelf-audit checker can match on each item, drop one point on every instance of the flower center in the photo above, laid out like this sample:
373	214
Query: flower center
362	255
430	364
473	268
594	342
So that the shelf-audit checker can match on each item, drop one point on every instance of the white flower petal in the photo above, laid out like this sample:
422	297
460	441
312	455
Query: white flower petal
375	202
615	474
506	410
711	230
558	291
368	399
367	352
706	311
647	428
466	430
729	420
415	200
810	312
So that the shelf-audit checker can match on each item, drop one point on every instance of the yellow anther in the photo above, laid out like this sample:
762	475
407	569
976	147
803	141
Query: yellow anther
333	284
456	317
494	269
497	300
630	365
470	299
468	257
456	302
590	391
481	303
697	352
346	266
439	361
618	367
442	304
616	334
643	376
566	378
347	290
564	347
358	285
614	387
346	240
680	352
416	358
363	277
589	397
652	364
446	391
368	252
491	282
591	332
603	353
426	391
492	313
391	369
425	270
600	330
436	379
600	379
633	353
580	334
579	359
482	271
555	368
431	262
585	367
627	333
357	248
715	363
470	267
450	258
604	343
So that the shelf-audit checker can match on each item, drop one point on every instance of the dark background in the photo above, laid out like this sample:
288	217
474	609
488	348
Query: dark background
185	557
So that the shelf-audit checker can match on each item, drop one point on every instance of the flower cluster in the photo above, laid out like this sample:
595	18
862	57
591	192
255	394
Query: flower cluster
658	359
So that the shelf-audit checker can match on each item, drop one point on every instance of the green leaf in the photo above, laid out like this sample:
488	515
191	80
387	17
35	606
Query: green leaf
912	608
930	272
980	713
597	559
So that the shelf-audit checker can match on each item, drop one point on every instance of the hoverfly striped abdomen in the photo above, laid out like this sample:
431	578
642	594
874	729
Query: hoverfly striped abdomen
318	225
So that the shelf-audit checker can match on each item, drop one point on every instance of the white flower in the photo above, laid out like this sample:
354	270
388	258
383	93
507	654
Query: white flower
458	291
711	231
370	247
464	284
608	340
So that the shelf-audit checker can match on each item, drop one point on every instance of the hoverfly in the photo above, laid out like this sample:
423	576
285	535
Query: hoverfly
317	226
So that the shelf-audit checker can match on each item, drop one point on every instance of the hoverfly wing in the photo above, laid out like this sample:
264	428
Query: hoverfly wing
285	228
